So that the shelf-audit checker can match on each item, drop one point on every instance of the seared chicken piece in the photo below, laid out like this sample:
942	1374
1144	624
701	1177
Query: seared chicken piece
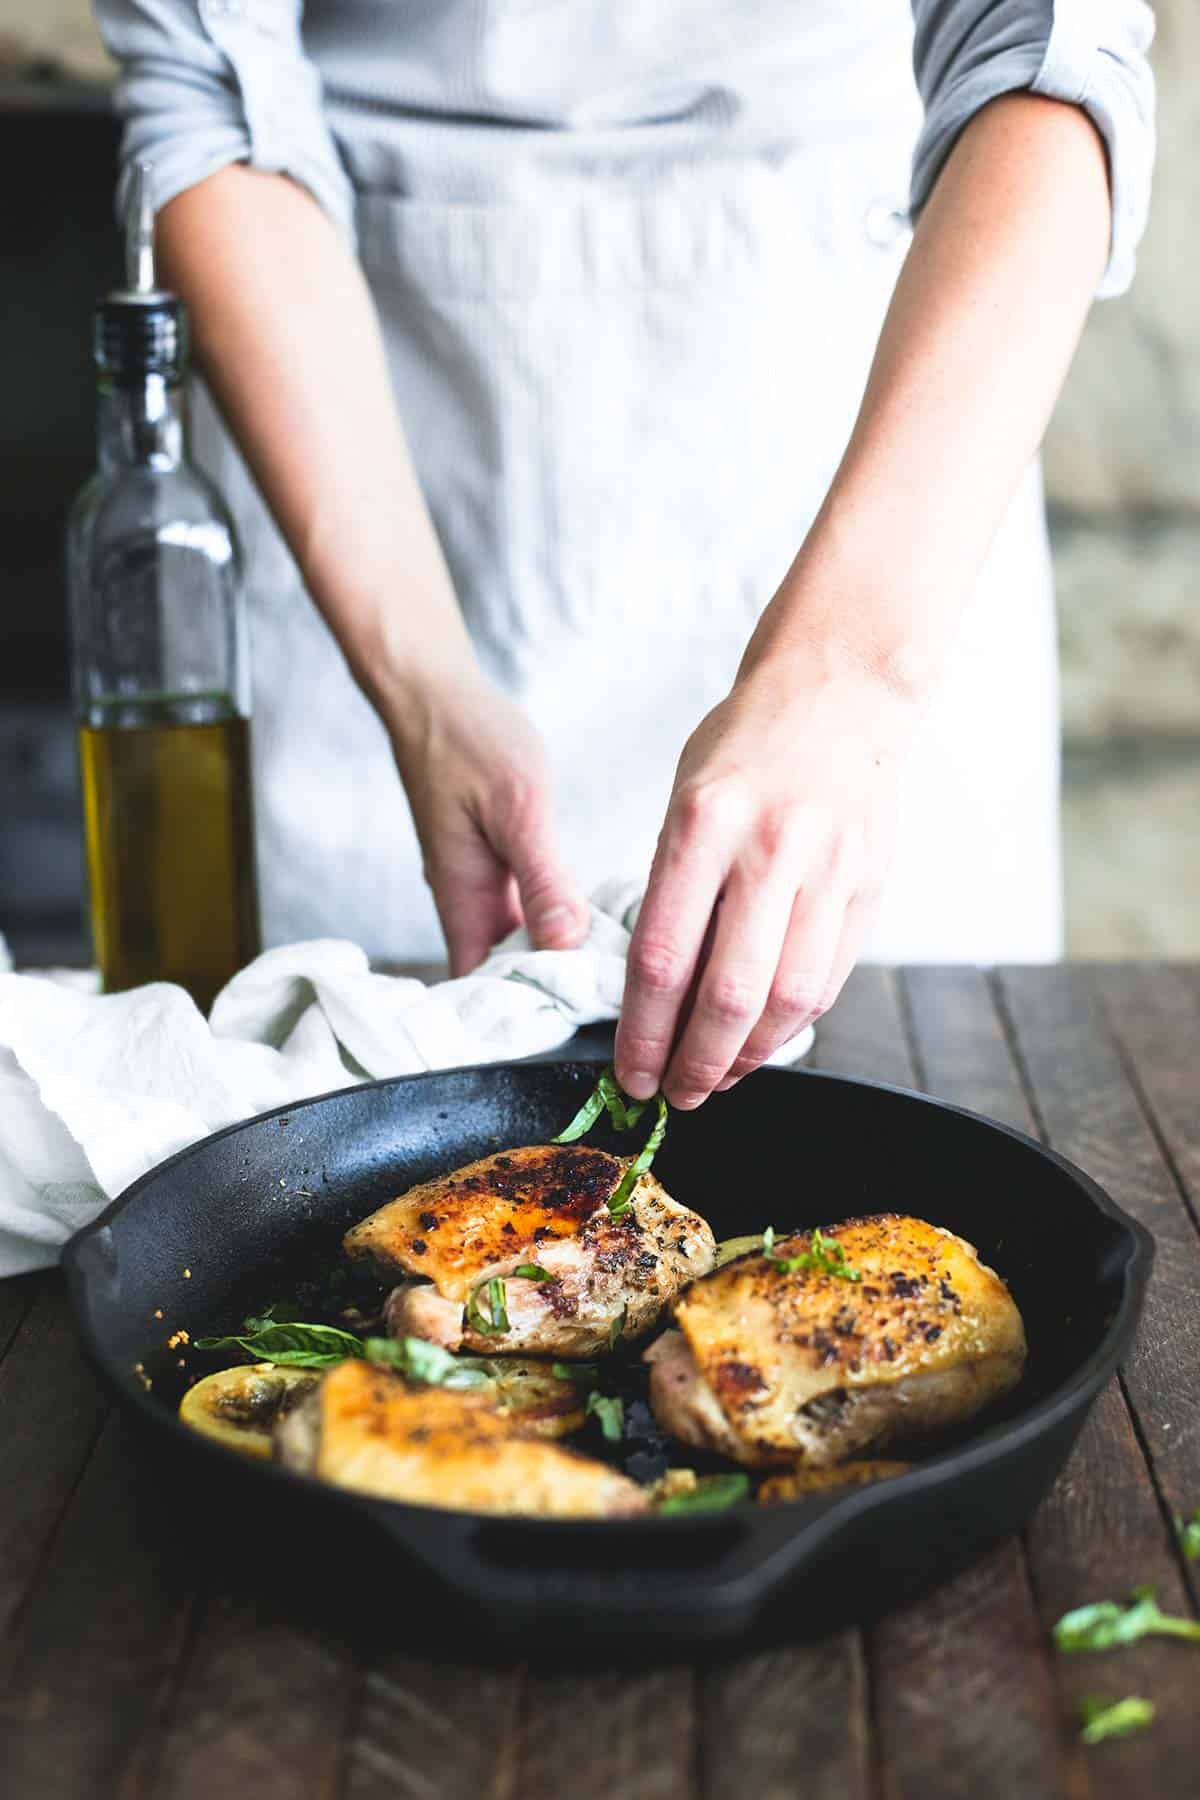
804	1481
773	1367
367	1429
543	1208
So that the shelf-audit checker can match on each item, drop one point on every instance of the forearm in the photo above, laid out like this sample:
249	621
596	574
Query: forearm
982	325
287	337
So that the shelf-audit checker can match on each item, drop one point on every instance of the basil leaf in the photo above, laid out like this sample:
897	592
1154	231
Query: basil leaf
1189	1535
825	1254
712	1493
291	1344
606	1096
616	1330
584	1119
495	1322
610	1410
421	1361
1114	1718
619	1200
534	1272
1107	1624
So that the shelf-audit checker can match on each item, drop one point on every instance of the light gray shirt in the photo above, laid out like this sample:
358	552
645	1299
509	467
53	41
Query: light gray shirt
451	99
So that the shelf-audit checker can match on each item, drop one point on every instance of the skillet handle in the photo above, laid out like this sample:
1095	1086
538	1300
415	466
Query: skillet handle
681	1579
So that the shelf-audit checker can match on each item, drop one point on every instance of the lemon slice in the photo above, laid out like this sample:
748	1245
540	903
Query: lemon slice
239	1406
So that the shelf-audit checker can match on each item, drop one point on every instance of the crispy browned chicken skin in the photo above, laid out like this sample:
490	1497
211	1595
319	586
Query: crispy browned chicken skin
544	1206
367	1429
771	1367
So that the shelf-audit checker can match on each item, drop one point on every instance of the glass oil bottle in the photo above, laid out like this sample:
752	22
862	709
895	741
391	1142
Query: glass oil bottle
160	671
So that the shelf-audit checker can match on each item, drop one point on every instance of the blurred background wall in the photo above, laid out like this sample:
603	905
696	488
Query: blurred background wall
1122	468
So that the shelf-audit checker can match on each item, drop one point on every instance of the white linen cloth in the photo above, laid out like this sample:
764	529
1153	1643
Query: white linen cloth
630	265
97	1089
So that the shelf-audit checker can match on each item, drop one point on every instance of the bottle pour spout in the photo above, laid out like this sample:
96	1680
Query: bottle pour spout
139	234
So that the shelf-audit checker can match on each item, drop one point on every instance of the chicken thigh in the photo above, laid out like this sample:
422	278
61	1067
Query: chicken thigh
367	1429
520	1252
896	1331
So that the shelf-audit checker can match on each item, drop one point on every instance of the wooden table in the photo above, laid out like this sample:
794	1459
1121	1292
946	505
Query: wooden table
131	1669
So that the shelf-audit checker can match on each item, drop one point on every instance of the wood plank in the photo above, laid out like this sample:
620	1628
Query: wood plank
793	1722
435	1731
17	1296
1153	1013
86	1671
592	1736
1102	1531
964	1701
960	1046
51	1409
864	1034
261	1708
965	1704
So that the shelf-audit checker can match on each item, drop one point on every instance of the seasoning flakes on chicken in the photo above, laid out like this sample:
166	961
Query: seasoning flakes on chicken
462	1239
889	1330
367	1429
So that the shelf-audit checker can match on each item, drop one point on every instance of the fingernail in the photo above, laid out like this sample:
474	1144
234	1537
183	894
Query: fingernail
689	1102
639	1084
559	922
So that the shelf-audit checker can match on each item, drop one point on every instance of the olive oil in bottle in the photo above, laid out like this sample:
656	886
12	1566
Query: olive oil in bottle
170	852
159	665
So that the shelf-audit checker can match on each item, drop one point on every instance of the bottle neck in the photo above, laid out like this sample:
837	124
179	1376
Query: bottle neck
142	424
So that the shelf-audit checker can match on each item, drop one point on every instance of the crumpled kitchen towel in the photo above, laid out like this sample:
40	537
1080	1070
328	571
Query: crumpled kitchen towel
96	1089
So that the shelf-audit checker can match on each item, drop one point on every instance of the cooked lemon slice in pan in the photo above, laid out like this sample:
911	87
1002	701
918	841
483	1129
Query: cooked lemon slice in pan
239	1406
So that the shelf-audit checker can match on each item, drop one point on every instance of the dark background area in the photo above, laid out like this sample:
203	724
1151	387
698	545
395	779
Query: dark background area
60	247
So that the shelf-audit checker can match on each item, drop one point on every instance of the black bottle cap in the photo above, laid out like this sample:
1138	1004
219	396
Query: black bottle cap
138	335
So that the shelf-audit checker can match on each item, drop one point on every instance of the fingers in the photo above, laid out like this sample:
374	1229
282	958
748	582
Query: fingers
735	983
685	881
802	985
554	910
477	906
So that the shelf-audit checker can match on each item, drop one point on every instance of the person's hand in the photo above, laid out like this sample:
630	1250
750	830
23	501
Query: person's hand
768	867
475	775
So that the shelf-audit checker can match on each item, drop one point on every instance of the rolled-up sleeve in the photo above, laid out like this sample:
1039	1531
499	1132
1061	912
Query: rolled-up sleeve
205	83
1091	53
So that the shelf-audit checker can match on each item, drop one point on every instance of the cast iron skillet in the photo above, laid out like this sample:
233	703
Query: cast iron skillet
784	1148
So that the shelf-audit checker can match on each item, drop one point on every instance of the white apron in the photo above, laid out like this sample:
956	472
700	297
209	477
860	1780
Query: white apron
626	395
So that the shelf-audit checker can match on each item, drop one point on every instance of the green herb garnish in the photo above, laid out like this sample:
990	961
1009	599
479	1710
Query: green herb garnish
616	1330
290	1343
1188	1531
421	1361
826	1255
610	1410
712	1493
620	1200
607	1096
1114	1718
534	1272
495	1322
1107	1624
